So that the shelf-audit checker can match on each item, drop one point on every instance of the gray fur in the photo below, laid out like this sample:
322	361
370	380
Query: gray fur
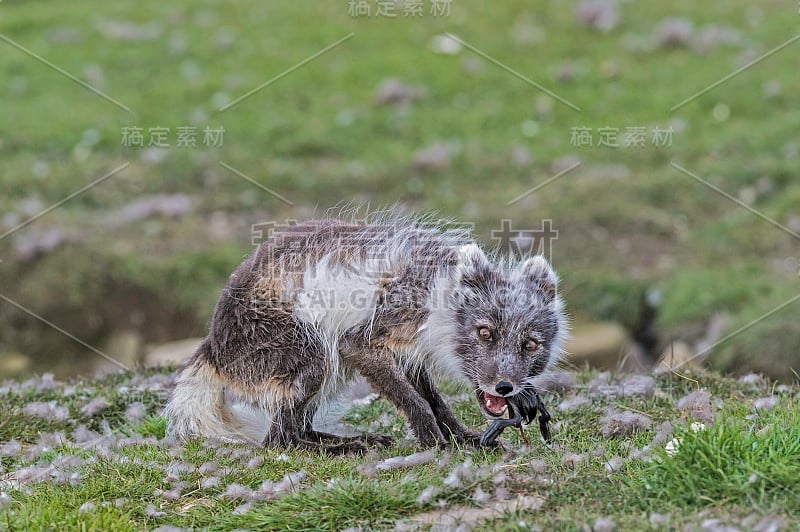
394	300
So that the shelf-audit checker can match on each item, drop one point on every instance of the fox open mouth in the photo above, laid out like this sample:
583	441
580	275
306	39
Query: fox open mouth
492	406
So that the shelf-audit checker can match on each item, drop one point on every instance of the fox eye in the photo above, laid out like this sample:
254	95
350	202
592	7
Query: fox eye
485	333
531	345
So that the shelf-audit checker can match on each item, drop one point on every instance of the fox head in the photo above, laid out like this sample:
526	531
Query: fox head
510	324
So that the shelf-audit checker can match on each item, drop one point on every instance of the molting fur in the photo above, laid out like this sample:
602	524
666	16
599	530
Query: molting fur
396	300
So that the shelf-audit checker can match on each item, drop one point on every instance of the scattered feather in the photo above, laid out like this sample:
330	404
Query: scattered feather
11	449
623	424
614	464
574	459
658	519
599	15
697	406
243	509
538	466
86	508
459	474
751	378
501	494
399	462
50	411
237	491
210	482
601	386
395	92
573	403
208	468
46	443
5	501
765	404
290	483
480	496
171	495
255	462
94	407
638	386
433	158
770	524
713	36
674	32
604	524
177	469
135	413
555	381
83	435
151	511
427	495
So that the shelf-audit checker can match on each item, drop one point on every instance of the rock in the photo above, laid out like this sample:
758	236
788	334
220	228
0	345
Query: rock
125	346
12	364
717	328
171	353
677	355
601	344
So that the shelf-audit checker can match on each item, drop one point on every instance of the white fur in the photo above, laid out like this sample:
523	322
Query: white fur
437	336
198	406
334	298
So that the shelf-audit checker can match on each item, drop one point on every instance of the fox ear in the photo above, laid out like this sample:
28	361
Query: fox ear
537	270
473	266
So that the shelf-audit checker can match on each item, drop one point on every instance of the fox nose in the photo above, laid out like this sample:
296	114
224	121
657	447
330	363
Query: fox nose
504	387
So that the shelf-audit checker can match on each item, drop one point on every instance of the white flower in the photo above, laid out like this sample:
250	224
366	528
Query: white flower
672	446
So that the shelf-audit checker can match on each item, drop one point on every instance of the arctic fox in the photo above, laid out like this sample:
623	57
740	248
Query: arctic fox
396	301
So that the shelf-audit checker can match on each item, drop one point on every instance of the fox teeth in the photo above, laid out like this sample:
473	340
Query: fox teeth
489	404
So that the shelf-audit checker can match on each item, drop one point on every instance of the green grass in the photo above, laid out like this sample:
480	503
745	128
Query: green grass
735	462
709	477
